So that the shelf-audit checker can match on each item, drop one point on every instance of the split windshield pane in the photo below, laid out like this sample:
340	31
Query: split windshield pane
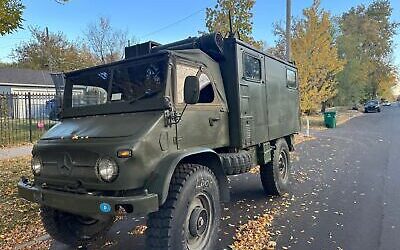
117	84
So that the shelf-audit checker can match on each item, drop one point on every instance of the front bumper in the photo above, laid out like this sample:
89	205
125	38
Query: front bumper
86	204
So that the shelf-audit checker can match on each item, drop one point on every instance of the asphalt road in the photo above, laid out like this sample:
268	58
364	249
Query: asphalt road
346	193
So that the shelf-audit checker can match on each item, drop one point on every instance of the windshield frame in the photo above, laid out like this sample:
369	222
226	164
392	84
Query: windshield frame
153	103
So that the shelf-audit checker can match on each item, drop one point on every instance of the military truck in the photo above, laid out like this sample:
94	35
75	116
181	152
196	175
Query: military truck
158	133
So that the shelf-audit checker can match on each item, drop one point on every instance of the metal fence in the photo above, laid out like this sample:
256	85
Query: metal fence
25	117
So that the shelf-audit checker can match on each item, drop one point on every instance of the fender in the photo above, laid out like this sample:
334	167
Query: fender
160	180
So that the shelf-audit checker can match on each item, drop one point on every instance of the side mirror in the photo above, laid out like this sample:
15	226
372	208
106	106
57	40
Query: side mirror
192	90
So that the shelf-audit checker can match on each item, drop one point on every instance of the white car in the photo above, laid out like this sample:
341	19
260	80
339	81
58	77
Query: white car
387	104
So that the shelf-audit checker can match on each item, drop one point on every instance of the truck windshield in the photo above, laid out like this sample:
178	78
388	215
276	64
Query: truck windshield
122	83
373	102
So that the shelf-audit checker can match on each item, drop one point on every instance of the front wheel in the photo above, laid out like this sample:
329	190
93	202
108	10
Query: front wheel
189	219
275	176
74	230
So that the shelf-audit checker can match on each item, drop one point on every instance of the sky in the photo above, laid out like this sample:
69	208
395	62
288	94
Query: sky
159	20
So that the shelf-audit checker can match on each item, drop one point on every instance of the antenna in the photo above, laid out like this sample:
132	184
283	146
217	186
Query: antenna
288	29
231	33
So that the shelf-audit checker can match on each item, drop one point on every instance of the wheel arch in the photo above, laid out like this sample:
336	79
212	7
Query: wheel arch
289	139
160	180
290	142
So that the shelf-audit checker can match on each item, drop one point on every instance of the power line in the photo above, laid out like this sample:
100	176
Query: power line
174	23
14	38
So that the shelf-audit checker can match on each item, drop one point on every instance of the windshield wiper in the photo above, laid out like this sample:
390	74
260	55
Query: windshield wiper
148	93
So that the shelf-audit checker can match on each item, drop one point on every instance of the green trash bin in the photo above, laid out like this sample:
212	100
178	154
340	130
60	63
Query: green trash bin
330	119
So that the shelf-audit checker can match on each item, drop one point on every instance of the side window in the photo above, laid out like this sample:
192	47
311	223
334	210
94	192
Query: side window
206	89
251	68
291	79
182	71
207	94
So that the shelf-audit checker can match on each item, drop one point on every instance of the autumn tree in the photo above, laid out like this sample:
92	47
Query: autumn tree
52	51
7	65
279	49
106	42
366	42
10	16
279	31
217	19
316	56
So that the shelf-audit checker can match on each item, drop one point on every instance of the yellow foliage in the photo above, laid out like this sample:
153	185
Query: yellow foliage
385	86
316	57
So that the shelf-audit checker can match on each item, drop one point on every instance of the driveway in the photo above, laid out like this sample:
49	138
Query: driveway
9	153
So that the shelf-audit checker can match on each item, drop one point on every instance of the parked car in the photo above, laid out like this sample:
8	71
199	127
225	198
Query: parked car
386	104
372	106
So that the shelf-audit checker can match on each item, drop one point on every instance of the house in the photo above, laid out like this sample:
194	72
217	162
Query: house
24	81
32	93
21	87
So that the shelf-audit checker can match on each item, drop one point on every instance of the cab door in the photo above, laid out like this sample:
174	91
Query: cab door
205	123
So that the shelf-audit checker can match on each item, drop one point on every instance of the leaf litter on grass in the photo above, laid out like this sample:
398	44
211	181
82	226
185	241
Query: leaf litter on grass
20	221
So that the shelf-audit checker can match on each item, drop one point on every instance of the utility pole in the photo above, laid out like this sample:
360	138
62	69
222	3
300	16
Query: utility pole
288	30
48	54
47	33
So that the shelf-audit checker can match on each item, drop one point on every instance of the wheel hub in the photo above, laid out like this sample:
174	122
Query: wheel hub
198	222
283	165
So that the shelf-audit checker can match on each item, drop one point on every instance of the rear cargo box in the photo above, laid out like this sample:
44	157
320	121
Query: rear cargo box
262	95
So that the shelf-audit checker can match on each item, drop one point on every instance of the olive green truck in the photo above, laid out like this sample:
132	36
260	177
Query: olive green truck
158	134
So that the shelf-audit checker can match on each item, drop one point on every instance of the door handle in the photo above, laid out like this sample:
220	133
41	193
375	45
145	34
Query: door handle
213	120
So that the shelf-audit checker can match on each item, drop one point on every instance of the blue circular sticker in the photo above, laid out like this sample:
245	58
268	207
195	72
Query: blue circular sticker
105	207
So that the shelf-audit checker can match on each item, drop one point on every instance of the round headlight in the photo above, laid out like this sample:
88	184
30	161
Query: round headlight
107	169
36	165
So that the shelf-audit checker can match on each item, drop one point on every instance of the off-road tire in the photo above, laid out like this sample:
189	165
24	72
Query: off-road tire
236	163
167	228
273	181
69	228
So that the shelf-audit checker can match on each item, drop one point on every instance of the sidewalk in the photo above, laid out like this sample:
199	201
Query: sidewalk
9	153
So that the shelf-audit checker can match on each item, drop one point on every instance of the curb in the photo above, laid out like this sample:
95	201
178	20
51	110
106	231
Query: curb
33	242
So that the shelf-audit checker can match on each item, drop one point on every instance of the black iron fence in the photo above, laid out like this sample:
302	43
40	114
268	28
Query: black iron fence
25	117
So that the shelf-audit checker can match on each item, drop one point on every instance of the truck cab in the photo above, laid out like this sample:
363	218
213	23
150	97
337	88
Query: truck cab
158	134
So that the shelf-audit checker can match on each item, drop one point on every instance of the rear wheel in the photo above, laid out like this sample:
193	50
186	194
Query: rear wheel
275	176
189	219
74	230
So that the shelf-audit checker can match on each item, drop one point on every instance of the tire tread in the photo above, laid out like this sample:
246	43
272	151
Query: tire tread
158	233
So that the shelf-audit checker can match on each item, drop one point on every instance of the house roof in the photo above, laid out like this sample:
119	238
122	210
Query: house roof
25	76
